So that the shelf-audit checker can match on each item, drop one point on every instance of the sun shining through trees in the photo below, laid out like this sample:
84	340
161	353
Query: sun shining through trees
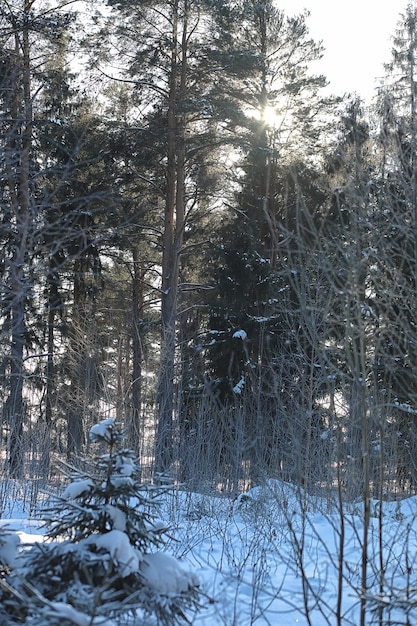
272	116
197	241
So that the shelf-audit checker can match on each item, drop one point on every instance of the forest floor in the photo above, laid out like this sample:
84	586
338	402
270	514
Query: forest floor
276	556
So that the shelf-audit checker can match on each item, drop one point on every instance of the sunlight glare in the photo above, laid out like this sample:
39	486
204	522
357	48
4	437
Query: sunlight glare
270	116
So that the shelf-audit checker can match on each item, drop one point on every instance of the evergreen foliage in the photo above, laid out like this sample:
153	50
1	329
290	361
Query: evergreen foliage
99	562
184	233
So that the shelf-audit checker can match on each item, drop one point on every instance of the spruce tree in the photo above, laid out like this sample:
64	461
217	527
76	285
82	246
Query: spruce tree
266	245
104	556
395	303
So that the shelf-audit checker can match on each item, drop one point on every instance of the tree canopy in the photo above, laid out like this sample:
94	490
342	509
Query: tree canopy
198	241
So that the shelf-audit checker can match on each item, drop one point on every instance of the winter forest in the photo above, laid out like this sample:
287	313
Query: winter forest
208	264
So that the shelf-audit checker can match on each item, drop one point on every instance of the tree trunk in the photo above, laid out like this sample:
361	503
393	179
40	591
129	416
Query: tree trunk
172	243
134	425
19	186
53	303
77	363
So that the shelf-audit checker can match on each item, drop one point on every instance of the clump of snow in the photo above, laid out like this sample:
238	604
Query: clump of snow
404	406
9	543
167	575
67	612
117	517
125	466
117	544
76	489
121	481
239	386
240	334
102	430
261	319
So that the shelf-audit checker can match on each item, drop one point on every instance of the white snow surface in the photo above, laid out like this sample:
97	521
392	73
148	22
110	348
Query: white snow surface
246	554
240	334
167	575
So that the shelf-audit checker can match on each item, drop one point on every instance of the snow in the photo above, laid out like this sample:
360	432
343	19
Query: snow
29	538
156	525
117	544
66	611
76	489
262	320
121	481
102	430
246	554
240	334
239	386
404	406
9	543
125	466
117	517
27	530
167	575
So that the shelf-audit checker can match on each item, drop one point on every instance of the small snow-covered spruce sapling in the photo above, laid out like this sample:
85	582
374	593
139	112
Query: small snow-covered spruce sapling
104	559
9	601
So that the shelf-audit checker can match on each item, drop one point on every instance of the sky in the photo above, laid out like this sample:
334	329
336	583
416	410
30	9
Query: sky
357	36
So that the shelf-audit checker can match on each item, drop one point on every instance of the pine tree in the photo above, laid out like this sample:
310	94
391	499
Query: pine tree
24	28
177	81
17	144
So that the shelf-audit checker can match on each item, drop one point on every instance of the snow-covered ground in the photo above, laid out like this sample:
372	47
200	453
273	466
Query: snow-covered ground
273	557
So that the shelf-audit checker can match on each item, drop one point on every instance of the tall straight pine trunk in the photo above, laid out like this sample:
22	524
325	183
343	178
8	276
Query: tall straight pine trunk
172	238
134	430
18	157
